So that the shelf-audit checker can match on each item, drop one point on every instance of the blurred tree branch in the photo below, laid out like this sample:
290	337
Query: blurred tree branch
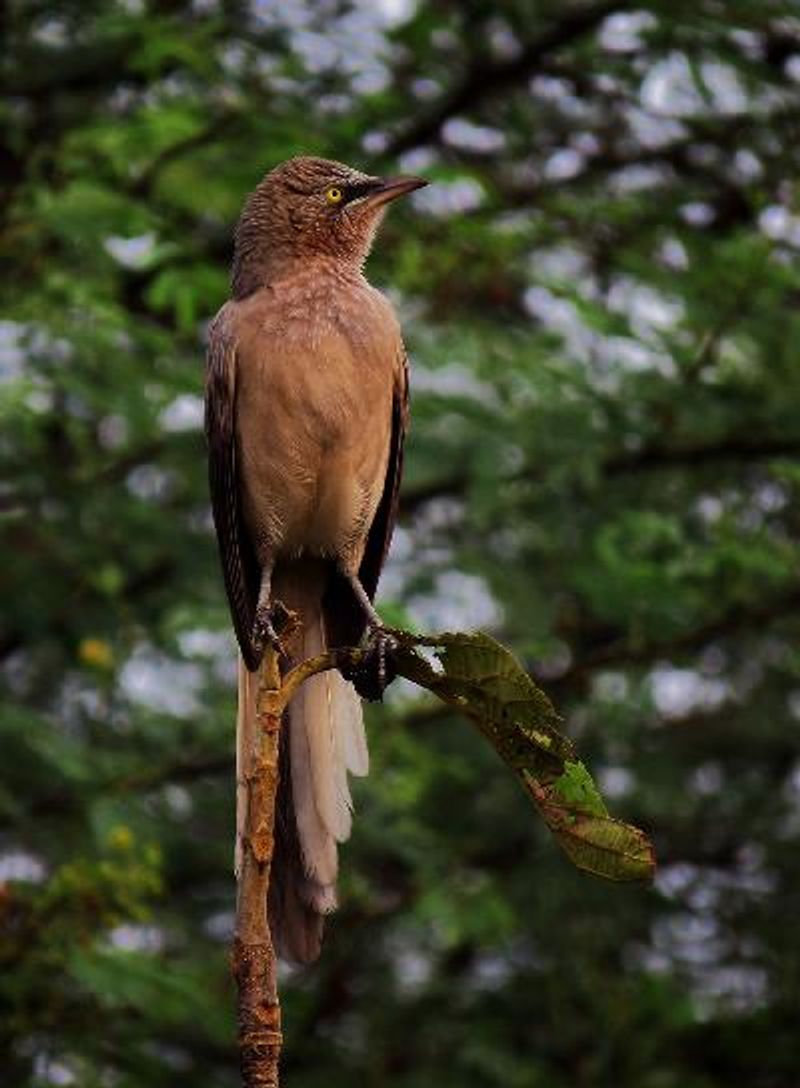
734	449
485	78
609	648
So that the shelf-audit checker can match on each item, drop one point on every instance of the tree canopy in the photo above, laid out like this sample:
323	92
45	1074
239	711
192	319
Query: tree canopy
599	296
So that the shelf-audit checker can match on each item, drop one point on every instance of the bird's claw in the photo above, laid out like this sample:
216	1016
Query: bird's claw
264	627
376	668
383	645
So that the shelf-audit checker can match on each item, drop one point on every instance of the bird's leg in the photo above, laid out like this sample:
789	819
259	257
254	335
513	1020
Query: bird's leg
264	624
373	619
380	643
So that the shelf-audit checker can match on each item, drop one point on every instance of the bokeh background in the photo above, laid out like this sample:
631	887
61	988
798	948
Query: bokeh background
600	297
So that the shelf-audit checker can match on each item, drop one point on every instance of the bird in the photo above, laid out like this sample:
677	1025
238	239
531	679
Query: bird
306	413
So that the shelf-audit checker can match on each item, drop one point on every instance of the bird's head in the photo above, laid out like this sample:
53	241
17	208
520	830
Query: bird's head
308	207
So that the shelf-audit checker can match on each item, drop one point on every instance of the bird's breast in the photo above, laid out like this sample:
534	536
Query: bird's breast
314	421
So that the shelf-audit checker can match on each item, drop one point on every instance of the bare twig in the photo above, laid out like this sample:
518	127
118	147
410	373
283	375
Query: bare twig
527	739
254	960
331	659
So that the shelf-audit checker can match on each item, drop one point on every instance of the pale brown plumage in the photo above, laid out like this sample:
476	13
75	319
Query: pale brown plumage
306	412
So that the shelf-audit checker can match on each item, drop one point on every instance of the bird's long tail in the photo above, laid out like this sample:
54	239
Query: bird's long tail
322	740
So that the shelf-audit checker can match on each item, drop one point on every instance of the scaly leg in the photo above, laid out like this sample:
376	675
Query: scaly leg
373	619
263	626
380	642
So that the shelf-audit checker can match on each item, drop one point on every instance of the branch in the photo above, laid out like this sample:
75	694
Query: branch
622	651
254	961
218	126
332	659
484	682
723	132
734	448
486	78
453	486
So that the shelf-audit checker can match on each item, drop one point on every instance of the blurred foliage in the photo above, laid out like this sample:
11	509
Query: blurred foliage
599	293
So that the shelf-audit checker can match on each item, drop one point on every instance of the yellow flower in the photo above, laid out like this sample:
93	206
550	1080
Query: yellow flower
96	652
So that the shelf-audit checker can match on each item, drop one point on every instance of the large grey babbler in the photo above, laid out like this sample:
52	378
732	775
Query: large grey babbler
306	412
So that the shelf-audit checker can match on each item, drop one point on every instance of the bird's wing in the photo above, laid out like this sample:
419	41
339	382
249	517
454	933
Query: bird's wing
239	564
344	615
382	528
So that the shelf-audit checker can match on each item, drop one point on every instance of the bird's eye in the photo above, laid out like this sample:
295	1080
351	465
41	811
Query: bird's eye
334	195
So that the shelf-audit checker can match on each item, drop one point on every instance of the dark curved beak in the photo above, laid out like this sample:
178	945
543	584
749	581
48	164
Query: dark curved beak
386	189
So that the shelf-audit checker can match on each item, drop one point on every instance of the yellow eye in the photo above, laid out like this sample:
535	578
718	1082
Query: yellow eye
334	195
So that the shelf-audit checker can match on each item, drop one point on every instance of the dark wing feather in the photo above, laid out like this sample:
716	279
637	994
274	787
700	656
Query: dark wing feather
382	528
240	567
345	620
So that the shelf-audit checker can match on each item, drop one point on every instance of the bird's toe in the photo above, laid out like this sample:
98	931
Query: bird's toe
376	668
269	621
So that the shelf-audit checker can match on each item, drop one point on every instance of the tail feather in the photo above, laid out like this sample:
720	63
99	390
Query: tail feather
350	734
314	733
295	924
323	738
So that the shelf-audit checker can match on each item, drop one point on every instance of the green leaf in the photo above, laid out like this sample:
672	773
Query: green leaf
485	682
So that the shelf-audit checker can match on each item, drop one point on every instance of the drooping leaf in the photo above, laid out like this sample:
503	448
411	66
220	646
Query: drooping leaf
484	681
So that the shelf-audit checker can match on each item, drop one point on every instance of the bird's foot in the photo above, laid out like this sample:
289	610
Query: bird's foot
377	667
382	645
269	624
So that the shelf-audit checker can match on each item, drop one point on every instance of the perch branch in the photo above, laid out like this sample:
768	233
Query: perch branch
254	961
480	678
331	659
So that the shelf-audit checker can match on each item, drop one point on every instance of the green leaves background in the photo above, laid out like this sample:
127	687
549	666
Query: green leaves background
599	296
